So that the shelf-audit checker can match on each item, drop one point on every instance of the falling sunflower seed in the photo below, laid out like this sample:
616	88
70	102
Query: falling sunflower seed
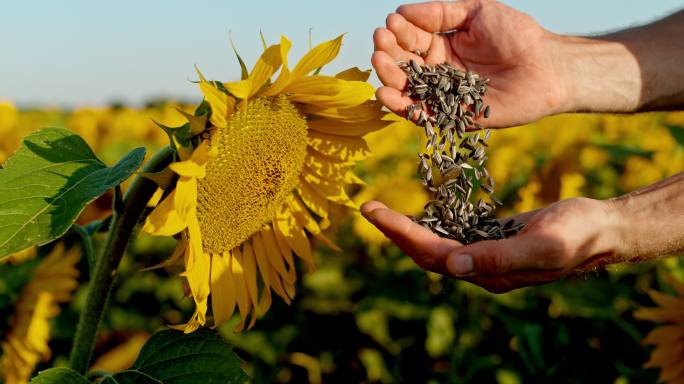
448	103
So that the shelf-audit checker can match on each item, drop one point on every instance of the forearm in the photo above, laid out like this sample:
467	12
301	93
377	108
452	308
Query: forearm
651	220
638	69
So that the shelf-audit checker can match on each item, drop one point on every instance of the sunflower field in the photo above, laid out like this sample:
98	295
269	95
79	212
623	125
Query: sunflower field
251	244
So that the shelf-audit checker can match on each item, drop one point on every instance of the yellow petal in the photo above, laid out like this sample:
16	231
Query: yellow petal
304	218
678	379
197	320
351	178
188	168
239	89
670	372
197	268
341	128
195	166
164	220
341	147
329	92
265	301
222	290
122	355
250	268
267	271
241	290
285	250
284	76
330	189
314	201
660	315
666	354
664	334
323	167
666	301
317	57
370	110
265	67
274	255
221	104
294	234
262	262
354	74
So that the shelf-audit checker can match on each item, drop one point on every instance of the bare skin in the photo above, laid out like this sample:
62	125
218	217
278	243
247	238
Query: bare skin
632	70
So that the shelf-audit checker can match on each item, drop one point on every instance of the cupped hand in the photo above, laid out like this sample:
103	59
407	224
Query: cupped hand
566	237
484	36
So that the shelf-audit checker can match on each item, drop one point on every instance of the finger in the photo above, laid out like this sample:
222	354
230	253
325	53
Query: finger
439	16
499	257
427	250
524	217
509	282
388	71
393	99
407	35
385	40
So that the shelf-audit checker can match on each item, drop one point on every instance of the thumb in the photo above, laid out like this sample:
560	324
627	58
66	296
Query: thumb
498	257
439	16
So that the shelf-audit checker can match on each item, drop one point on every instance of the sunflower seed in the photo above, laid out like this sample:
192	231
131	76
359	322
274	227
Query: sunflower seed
454	99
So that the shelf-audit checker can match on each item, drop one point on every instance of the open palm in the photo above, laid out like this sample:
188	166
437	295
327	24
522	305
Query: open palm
484	36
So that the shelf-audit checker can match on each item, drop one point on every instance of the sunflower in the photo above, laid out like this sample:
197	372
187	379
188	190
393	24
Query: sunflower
26	343
258	165
668	338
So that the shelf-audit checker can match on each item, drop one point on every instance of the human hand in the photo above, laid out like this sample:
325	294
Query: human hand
492	39
568	236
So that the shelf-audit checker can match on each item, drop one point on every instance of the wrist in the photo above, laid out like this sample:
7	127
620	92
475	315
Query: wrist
625	241
596	75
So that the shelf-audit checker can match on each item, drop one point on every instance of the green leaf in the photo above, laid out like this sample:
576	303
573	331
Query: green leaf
172	357
622	152
130	377
48	182
244	73
59	376
677	133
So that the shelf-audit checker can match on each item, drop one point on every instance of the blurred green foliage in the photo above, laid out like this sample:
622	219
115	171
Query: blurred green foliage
369	315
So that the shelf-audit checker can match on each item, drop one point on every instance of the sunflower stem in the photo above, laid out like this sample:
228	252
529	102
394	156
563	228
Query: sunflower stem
120	232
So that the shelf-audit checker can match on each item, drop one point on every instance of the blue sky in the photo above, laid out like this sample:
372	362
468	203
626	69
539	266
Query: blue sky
79	52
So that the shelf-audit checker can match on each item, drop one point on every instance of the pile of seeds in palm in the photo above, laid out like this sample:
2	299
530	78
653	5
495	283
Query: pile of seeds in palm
448	101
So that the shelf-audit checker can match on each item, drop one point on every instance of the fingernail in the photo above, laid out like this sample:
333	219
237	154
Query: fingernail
460	264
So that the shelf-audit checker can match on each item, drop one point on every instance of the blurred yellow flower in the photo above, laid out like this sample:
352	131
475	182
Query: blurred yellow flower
276	153
400	192
8	117
528	197
668	338
571	185
639	172
122	356
591	157
26	343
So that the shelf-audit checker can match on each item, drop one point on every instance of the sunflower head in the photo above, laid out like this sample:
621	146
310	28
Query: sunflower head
259	164
259	158
668	338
